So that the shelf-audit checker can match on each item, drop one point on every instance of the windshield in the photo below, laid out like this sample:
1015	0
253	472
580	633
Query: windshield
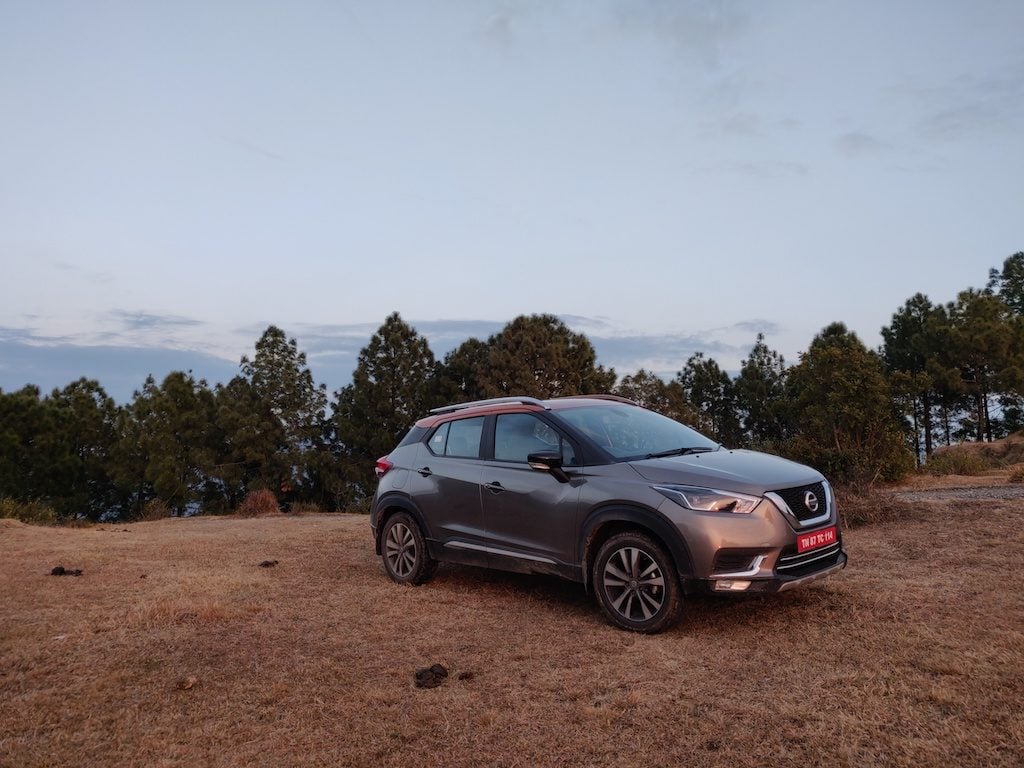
628	432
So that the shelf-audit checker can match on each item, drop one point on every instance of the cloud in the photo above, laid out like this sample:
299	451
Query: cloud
734	124
332	350
252	148
29	336
145	321
120	370
770	169
698	29
972	104
859	143
94	276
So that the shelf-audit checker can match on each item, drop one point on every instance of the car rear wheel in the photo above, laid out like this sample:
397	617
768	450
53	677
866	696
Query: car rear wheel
636	583
405	550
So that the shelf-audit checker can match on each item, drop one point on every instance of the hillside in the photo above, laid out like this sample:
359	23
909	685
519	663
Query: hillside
174	648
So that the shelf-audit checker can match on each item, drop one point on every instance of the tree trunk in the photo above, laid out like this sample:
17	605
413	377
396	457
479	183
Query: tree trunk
979	410
917	434
988	421
926	401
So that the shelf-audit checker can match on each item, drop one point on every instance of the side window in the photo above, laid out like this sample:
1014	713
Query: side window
438	439
517	435
464	438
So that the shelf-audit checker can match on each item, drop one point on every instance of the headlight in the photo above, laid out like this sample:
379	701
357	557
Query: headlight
707	500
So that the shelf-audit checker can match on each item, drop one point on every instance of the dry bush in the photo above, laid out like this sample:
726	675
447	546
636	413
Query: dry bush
258	504
32	512
307	508
959	460
1016	474
155	509
864	505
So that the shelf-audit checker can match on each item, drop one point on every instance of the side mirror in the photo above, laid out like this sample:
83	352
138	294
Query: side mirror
548	461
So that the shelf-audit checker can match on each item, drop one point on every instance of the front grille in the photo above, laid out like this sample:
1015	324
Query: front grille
796	499
792	563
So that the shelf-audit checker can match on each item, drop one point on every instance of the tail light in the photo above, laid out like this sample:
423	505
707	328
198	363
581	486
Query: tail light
383	465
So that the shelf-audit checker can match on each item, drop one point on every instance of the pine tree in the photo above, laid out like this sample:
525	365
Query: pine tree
651	391
87	419
36	460
391	388
711	393
986	343
252	454
912	353
167	446
283	384
458	376
1009	282
760	394
539	356
843	418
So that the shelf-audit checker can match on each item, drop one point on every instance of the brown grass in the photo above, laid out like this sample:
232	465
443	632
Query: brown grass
174	648
868	505
977	458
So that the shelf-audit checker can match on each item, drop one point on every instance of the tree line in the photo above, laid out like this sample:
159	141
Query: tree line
944	373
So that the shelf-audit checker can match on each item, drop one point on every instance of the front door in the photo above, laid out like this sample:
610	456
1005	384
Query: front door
528	515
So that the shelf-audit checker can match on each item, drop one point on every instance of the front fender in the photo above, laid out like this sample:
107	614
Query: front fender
654	521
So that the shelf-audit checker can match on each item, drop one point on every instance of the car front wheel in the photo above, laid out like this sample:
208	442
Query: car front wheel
405	550
636	584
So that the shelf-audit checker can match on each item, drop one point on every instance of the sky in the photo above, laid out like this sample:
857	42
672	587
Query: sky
666	177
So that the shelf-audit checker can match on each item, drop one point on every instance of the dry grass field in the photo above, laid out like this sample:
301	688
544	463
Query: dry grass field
174	648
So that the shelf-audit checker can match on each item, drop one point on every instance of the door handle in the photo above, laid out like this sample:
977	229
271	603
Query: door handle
425	471
494	487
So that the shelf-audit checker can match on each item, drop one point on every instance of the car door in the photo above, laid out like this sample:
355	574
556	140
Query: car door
446	486
529	516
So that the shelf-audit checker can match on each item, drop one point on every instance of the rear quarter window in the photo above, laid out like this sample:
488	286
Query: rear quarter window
414	435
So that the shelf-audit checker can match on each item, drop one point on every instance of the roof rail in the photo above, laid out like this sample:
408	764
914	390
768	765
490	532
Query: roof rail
615	398
492	401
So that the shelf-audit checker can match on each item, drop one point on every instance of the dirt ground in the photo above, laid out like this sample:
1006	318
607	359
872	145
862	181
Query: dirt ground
174	648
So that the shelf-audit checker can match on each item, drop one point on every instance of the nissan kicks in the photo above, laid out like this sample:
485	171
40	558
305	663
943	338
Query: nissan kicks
637	507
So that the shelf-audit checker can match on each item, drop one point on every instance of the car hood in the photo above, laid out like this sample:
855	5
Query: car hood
740	471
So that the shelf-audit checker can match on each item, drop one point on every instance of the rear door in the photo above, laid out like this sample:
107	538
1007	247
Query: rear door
446	485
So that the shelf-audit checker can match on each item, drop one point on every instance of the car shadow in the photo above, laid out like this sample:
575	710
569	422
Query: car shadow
703	614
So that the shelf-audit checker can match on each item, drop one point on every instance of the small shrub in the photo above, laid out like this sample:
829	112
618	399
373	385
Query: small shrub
307	508
258	503
155	509
1016	474
31	512
862	505
957	460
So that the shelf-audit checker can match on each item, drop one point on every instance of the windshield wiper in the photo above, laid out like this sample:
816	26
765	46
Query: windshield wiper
678	452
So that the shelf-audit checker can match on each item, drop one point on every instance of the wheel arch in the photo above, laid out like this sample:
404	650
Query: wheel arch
389	505
605	522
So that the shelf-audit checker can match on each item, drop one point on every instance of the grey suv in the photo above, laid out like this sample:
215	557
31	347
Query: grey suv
639	508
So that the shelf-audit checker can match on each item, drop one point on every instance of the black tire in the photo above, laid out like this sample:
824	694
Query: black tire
404	550
636	584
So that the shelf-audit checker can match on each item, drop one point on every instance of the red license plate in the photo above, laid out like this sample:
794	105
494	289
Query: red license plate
808	541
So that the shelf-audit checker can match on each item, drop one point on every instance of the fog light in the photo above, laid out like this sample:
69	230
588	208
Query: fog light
731	585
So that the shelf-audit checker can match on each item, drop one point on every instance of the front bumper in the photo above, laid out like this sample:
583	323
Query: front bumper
768	581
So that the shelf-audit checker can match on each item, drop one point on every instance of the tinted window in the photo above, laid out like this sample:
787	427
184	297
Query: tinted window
413	436
464	438
628	432
517	435
438	439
